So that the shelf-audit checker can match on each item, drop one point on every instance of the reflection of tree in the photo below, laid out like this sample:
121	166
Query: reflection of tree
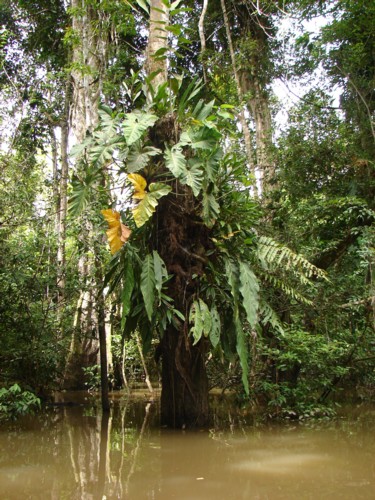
104	457
95	439
135	452
83	434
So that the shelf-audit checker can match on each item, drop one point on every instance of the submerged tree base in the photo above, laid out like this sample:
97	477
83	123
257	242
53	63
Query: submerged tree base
184	396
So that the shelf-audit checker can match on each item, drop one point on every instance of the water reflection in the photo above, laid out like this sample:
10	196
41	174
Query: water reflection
78	453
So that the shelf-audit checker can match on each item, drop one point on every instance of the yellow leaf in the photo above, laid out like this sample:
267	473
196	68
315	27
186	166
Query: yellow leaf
118	233
139	184
125	233
112	217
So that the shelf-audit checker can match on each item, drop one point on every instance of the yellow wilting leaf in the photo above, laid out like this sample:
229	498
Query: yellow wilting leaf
125	233
112	217
139	184
118	233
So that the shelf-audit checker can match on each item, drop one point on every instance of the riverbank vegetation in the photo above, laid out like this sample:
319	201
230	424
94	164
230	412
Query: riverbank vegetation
187	199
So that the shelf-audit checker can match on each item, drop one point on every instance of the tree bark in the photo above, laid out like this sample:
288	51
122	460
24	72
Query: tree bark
89	59
240	94
203	38
261	114
184	396
156	66
63	195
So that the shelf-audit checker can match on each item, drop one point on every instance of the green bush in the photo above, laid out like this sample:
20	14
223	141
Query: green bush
14	402
304	366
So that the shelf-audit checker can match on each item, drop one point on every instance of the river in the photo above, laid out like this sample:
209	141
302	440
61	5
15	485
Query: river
73	452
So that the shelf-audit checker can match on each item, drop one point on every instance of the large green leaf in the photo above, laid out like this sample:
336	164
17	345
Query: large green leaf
127	289
148	285
189	173
211	166
203	110
242	350
160	272
139	156
193	176
82	191
210	209
215	327
135	124
249	289
232	274
200	317
109	122
201	138
102	152
147	206
175	161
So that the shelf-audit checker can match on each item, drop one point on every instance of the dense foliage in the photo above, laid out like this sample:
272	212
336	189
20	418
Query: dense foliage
250	255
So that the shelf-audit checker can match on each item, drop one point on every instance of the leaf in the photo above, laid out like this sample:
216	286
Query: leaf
215	327
143	4
175	4
159	189
231	272
201	138
82	191
77	150
249	289
135	124
79	198
112	217
148	284
160	272
210	209
139	157
175	161
125	233
242	350
189	173
103	151
201	319
268	315
118	233
195	317
144	210
202	110
127	290
193	176
192	90
212	165
139	184
147	206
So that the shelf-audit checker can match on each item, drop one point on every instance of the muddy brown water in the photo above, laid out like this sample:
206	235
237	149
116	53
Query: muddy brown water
73	452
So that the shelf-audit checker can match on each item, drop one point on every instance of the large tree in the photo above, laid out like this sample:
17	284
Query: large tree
185	260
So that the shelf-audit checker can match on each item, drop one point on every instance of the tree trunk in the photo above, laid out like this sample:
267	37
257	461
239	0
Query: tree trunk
261	114
89	58
184	396
63	198
182	243
156	67
240	94
102	337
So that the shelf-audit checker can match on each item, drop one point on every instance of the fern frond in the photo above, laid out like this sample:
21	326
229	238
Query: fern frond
273	255
268	315
288	290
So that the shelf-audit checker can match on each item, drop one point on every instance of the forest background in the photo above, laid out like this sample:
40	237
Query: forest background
241	243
